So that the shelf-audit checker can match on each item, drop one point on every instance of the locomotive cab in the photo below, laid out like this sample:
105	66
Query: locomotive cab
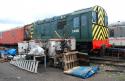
100	28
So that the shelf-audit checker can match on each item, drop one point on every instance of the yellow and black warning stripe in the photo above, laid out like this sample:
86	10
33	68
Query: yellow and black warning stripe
100	14
99	30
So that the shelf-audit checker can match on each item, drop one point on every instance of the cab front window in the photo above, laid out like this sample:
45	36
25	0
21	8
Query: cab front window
94	17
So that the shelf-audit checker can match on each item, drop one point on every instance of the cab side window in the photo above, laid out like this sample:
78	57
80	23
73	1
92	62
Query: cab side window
76	22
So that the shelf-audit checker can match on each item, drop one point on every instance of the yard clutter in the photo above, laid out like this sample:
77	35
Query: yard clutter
28	52
61	54
7	54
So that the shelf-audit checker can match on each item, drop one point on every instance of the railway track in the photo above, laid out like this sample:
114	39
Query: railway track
108	60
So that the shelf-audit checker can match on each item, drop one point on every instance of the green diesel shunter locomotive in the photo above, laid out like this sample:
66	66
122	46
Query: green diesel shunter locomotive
87	26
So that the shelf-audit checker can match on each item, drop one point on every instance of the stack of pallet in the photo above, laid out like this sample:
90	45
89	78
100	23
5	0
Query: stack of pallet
70	60
74	59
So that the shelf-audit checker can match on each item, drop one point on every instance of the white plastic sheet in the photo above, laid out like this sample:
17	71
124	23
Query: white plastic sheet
37	50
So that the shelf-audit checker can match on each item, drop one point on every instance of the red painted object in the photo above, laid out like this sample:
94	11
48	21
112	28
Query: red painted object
97	44
12	37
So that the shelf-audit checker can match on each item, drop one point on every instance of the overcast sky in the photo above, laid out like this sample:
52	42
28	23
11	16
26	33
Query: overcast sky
14	13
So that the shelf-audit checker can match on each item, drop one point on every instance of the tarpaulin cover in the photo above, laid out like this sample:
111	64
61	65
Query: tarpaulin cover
11	52
82	71
3	52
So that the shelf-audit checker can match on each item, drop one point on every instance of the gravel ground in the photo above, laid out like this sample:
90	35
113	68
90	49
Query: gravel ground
11	73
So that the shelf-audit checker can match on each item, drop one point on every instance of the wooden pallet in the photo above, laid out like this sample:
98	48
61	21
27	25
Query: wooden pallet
70	60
